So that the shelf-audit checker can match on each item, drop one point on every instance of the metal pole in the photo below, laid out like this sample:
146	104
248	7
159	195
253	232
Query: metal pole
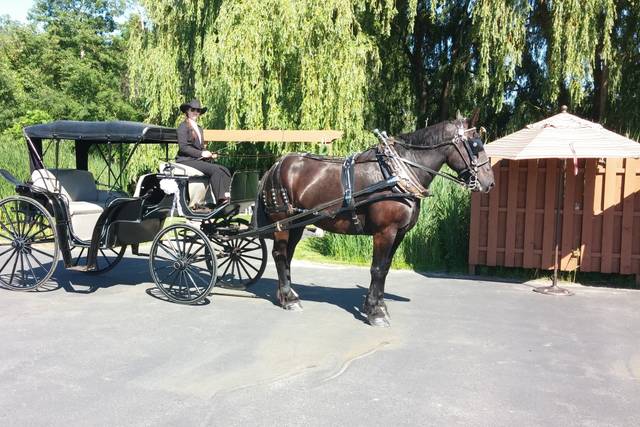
554	289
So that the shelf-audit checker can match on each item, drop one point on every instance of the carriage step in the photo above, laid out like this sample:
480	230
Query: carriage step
78	268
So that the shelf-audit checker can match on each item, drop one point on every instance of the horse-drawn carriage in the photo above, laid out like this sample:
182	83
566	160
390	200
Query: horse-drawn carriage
61	212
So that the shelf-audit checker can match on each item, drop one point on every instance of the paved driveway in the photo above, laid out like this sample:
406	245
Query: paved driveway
103	351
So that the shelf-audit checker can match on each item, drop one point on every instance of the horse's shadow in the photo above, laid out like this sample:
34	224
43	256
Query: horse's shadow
135	271
348	299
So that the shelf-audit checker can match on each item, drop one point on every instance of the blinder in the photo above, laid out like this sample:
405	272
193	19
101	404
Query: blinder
473	146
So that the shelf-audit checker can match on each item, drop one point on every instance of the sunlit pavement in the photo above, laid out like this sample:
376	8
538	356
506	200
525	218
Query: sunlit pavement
103	350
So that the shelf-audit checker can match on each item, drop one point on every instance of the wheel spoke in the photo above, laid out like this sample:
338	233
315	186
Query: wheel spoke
4	227
79	256
41	252
227	259
15	233
13	271
243	262
39	263
192	281
227	269
170	251
160	257
22	266
42	230
199	276
34	222
252	257
191	255
247	243
31	268
7	261
106	259
175	250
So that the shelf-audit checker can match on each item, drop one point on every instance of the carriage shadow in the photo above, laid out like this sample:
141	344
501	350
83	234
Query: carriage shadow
348	299
135	271
130	272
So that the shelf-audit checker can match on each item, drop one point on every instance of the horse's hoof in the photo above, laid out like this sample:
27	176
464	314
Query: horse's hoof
379	322
293	306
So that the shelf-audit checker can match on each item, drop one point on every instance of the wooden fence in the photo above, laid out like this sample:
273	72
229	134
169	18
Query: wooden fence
513	225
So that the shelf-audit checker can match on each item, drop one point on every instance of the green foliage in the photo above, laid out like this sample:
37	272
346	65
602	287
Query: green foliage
69	62
30	117
13	158
276	64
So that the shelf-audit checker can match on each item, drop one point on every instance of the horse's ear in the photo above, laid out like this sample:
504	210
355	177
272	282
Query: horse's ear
474	117
458	115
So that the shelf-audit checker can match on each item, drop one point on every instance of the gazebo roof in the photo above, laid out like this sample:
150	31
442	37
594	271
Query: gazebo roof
563	136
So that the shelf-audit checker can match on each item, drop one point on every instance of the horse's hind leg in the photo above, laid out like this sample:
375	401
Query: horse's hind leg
385	244
283	247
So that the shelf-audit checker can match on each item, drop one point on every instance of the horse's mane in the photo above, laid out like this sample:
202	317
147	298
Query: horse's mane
429	136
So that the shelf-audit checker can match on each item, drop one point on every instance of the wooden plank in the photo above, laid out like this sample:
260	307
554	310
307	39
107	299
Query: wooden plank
567	260
229	135
628	190
492	234
610	199
530	215
512	204
588	206
550	189
474	229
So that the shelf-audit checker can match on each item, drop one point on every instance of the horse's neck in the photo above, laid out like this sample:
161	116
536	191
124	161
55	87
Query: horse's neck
432	159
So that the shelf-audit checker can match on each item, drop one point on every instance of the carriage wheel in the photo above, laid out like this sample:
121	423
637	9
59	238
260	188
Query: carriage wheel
28	244
183	264
241	261
106	260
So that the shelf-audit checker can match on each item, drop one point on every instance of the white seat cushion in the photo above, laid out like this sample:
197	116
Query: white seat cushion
180	169
198	183
86	203
82	208
75	184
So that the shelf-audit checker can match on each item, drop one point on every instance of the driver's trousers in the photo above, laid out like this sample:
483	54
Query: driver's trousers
219	176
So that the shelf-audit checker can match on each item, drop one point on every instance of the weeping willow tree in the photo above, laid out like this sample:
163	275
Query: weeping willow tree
358	64
273	64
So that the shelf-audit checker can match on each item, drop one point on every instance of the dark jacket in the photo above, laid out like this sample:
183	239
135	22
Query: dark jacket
188	148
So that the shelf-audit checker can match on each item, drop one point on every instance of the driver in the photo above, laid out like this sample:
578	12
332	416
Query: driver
192	151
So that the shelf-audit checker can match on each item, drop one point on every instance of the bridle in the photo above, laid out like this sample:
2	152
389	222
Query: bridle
472	162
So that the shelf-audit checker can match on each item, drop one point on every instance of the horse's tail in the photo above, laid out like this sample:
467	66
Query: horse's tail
260	217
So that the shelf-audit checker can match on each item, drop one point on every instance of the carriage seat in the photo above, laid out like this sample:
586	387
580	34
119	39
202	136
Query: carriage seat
199	191
78	188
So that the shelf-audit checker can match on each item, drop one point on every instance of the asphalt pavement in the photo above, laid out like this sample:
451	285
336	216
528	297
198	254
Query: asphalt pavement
105	351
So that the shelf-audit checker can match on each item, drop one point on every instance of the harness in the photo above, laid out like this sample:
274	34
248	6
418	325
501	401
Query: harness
387	147
348	181
399	177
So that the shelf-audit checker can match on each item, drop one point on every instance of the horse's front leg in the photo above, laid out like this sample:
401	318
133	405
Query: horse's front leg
285	294
385	244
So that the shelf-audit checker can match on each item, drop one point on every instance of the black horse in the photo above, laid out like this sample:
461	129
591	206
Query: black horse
302	183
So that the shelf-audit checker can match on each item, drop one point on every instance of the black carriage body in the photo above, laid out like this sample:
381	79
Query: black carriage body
119	221
125	220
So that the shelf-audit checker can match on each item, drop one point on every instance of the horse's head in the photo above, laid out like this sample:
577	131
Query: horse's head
466	155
